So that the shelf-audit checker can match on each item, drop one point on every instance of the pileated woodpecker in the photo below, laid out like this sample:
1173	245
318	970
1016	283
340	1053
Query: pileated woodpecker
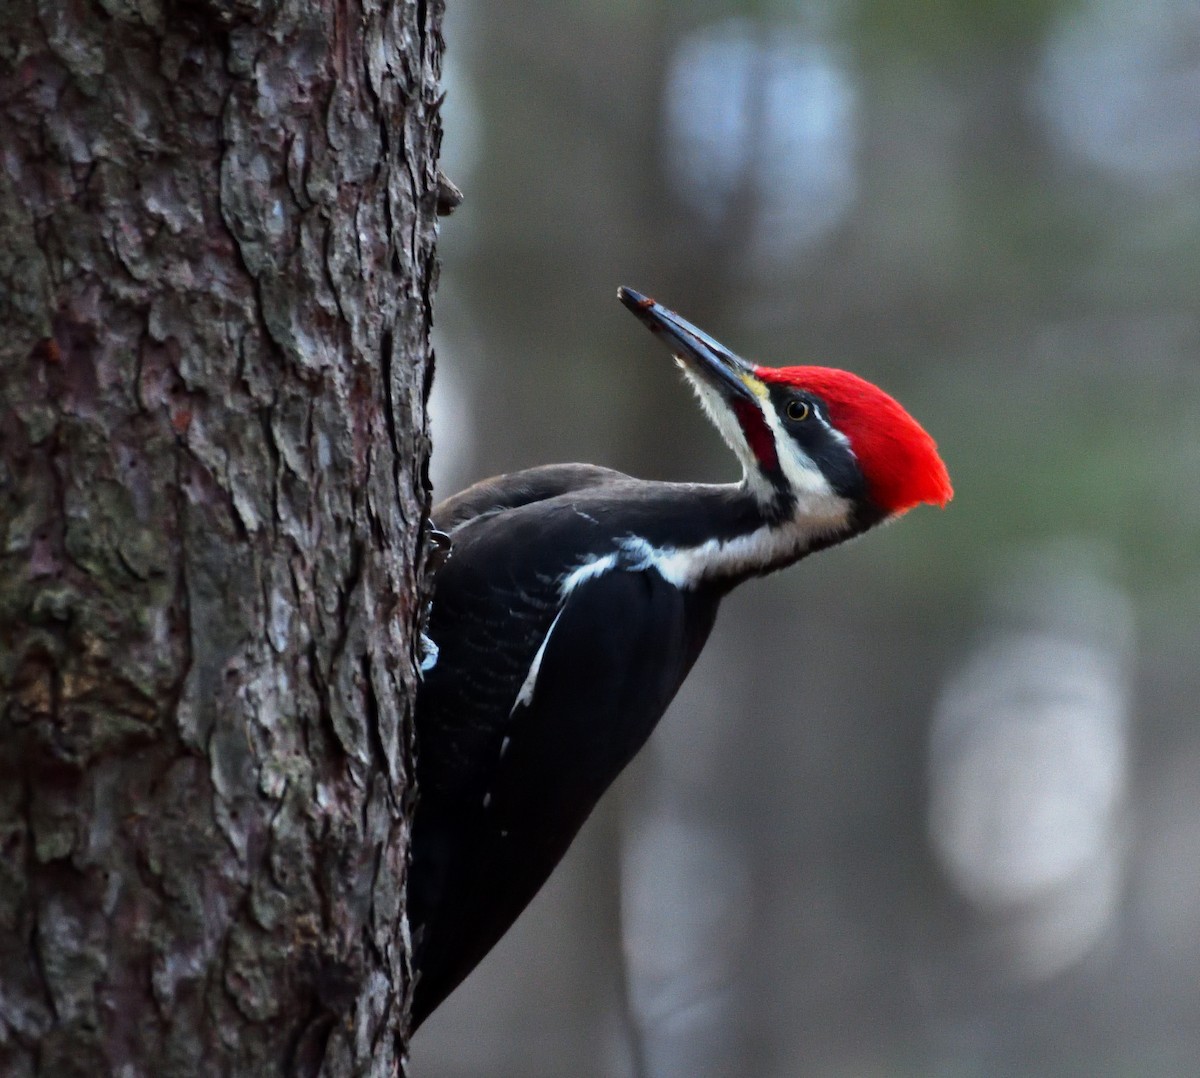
576	600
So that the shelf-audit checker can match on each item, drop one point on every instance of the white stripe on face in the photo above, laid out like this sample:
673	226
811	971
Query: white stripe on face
814	493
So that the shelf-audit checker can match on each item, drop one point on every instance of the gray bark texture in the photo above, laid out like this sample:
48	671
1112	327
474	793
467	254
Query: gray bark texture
217	226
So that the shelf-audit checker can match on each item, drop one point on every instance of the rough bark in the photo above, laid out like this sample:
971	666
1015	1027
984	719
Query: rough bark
217	226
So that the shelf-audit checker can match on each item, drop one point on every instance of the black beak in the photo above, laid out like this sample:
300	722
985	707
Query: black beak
708	358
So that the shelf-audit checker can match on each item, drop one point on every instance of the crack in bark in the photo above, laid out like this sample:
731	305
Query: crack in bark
386	345
374	733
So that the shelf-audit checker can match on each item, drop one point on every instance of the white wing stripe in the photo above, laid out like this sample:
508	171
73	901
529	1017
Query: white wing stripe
527	687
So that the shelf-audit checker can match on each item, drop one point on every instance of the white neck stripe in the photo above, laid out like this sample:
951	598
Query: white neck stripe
770	546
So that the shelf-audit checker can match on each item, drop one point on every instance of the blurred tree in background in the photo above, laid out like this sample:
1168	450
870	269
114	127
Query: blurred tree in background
928	805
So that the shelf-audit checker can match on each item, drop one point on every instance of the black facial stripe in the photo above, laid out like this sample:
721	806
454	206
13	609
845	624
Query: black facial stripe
824	447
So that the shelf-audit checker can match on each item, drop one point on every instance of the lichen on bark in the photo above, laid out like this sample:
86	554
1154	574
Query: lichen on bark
217	227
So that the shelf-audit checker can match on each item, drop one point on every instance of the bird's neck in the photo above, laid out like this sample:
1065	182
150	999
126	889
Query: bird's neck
720	535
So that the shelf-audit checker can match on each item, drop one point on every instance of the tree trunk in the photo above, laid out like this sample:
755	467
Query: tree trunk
217	223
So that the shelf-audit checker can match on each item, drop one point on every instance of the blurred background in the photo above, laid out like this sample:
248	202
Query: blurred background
929	805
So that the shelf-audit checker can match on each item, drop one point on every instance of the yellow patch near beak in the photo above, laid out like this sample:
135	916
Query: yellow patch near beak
759	389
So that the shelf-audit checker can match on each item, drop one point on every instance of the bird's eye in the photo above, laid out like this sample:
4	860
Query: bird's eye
798	411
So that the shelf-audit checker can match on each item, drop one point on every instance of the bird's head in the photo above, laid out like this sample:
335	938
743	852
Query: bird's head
814	441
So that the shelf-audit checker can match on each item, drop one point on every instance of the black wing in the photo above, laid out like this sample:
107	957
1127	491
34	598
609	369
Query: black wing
490	496
513	540
501	802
